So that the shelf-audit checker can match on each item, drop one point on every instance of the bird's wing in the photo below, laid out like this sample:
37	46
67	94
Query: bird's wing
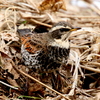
33	42
40	39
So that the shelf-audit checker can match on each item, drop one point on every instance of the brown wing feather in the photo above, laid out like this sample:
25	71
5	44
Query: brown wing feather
40	39
34	42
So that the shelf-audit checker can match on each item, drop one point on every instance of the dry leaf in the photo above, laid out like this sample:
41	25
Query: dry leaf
53	5
13	82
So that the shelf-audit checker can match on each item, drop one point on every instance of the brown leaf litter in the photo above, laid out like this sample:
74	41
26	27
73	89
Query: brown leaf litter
81	79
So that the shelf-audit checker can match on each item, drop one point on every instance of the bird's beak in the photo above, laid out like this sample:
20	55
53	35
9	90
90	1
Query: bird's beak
67	35
75	28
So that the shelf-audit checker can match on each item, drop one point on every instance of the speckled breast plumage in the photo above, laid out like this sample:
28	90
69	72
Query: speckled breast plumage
50	59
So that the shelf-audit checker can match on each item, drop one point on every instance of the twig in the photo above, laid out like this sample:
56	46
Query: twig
91	69
40	23
90	17
83	92
6	18
86	51
94	63
8	85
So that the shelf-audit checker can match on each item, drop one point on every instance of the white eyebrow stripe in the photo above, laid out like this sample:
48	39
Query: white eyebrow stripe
68	27
57	27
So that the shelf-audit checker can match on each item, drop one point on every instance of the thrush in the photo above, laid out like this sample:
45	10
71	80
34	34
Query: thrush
48	50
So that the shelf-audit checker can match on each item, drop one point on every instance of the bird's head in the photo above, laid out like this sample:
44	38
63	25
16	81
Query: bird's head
62	30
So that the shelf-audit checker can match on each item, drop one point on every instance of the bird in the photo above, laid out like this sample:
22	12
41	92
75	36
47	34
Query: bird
47	51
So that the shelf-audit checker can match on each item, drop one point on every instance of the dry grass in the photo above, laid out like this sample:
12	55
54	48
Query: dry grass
83	69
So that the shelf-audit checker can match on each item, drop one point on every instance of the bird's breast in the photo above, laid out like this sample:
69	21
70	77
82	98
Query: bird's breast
58	54
59	43
52	57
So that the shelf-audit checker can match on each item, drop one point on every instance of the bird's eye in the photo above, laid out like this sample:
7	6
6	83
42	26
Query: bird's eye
64	29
